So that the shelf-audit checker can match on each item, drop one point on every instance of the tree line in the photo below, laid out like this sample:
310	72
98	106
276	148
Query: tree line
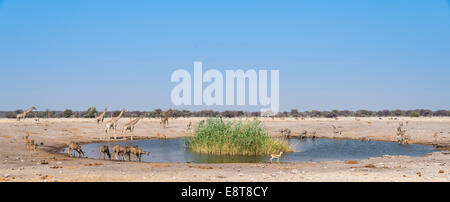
92	112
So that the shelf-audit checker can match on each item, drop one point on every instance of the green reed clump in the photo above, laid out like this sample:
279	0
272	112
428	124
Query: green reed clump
215	136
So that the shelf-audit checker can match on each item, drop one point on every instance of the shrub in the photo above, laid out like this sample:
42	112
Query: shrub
11	115
219	137
414	114
67	113
91	112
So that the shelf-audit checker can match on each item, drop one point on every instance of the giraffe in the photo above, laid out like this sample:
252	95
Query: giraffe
130	125
23	115
113	122
165	118
101	117
189	126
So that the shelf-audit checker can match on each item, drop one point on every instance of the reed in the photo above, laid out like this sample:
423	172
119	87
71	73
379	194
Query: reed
218	137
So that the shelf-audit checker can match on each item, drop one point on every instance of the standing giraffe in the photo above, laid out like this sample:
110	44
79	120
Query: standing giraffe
165	118
23	115
113	122
101	117
130	125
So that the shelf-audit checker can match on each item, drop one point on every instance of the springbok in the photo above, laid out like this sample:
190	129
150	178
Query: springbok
275	156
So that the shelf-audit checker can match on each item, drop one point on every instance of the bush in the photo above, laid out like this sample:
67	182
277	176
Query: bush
91	112
219	137
67	113
11	115
414	114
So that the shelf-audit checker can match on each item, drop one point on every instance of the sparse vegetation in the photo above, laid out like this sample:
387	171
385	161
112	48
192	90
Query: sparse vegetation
67	113
11	115
414	114
91	112
219	137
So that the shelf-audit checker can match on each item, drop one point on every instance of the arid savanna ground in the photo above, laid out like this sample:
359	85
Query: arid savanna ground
50	165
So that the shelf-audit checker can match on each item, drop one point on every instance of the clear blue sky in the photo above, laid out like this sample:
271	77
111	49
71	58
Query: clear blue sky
360	54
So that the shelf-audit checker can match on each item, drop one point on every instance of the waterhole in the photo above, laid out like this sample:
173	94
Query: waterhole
174	151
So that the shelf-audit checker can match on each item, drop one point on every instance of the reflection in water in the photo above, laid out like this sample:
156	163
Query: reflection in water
306	150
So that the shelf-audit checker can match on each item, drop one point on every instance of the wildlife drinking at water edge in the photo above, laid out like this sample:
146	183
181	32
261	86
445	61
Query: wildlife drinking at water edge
224	91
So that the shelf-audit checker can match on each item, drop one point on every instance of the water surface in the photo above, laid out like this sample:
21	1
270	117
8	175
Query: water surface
317	150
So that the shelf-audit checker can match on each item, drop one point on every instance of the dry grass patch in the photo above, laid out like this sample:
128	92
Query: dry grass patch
202	167
351	162
370	166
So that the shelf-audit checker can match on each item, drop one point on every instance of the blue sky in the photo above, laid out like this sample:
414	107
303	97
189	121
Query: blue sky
359	54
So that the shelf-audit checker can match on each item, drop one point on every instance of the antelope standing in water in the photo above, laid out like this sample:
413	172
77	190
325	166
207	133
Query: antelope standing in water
275	156
73	146
104	151
121	151
137	153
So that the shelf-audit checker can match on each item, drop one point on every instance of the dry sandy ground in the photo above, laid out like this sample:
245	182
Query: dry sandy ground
18	164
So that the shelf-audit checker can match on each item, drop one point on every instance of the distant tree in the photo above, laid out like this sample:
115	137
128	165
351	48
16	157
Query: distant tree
11	115
294	113
53	114
115	113
384	113
91	112
397	113
441	113
425	112
331	115
158	112
186	113
67	113
414	114
19	111
314	113
363	113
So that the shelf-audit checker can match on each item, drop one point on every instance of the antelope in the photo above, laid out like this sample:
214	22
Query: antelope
25	138
104	151
121	151
32	147
436	137
336	131
137	153
286	133
29	143
73	146
275	156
